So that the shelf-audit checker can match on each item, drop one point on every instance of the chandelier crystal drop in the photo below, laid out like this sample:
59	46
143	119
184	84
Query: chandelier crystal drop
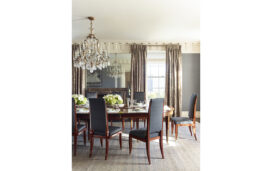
90	54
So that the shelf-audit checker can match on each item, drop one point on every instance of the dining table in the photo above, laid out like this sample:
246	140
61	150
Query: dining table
124	112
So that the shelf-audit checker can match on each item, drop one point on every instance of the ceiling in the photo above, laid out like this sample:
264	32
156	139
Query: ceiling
137	20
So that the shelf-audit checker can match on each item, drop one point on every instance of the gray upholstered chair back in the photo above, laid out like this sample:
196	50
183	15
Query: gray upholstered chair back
139	96
98	114
156	113
192	104
91	95
73	115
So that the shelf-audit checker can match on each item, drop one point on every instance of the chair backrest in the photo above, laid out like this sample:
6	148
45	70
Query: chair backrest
91	95
138	96
74	117
192	106
98	115
156	115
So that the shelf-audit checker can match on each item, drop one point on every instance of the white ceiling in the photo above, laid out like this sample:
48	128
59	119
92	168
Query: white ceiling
137	20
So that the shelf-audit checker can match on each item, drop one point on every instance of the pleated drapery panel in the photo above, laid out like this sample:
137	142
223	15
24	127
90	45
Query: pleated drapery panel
78	76
138	68
173	78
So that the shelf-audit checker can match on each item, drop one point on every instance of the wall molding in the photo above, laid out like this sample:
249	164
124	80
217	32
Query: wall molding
124	46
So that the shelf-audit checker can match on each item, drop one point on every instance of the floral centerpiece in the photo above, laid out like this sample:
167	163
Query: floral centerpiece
112	99
79	99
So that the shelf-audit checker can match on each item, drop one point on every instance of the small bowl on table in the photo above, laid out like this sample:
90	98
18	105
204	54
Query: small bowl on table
121	105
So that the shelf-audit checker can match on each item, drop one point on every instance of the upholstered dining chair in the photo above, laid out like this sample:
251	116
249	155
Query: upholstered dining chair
154	128
91	95
186	121
77	128
139	97
99	125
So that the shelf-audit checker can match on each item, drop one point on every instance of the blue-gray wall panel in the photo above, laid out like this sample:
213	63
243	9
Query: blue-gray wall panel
190	79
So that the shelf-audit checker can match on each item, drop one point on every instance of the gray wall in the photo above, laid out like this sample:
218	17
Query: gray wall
190	79
106	81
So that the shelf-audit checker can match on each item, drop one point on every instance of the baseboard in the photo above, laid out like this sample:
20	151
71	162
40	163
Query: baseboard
185	114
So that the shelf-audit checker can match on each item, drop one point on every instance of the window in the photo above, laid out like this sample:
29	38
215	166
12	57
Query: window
155	74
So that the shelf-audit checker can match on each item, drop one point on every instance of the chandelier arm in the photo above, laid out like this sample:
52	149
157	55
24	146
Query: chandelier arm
97	45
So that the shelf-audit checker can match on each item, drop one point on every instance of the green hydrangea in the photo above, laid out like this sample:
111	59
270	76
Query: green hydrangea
112	99
79	99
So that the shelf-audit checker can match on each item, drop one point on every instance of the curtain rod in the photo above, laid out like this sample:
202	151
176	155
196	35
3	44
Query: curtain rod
148	44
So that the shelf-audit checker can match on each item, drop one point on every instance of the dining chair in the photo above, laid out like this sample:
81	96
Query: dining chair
77	128
139	97
91	95
186	121
154	128
99	125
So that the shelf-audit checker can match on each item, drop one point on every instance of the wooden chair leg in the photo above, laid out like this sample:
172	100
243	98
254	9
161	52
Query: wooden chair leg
137	123
120	140
167	128
190	130
75	144
91	145
84	137
176	131
107	148
144	122
148	151
172	127
131	123
161	145
101	142
130	144
194	130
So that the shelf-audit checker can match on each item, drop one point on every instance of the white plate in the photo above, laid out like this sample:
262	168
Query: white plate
113	110
140	105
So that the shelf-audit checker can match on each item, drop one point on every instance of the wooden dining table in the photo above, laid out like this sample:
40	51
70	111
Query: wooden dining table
136	113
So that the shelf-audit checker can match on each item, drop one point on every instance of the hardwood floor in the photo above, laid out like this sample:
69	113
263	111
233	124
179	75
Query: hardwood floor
183	154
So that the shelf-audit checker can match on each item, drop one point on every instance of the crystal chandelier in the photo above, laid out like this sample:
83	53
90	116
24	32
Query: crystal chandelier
90	55
115	70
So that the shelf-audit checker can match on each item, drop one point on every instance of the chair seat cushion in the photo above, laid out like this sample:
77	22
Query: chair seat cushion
112	130
181	120
141	133
80	127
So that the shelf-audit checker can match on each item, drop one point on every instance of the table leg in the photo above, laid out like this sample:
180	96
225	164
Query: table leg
123	123
137	123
